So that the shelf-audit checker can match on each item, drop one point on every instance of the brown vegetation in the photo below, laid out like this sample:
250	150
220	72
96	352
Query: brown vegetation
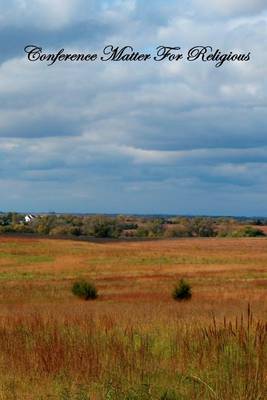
134	341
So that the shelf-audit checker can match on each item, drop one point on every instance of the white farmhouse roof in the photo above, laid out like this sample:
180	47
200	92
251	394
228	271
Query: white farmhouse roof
29	218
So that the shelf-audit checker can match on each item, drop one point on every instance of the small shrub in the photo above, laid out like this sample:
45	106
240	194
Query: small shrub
85	290
182	291
248	231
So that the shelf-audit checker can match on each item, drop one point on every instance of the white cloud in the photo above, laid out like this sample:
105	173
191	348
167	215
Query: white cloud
47	14
147	127
233	7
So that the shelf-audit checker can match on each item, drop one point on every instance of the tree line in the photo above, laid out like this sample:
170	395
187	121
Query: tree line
121	226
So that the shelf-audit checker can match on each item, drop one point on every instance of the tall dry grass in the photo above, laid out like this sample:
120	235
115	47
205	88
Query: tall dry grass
135	342
90	357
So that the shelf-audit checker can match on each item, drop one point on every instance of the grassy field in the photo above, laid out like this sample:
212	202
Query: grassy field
134	342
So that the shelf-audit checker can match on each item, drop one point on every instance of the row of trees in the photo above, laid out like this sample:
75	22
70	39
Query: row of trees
99	226
94	226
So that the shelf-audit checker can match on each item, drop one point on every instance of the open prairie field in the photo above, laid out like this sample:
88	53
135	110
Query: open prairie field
133	342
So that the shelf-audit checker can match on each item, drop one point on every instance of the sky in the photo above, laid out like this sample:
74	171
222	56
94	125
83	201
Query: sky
122	137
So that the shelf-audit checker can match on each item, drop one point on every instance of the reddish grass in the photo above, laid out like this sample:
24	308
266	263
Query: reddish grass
52	340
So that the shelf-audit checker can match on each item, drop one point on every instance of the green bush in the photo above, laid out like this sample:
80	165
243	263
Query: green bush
182	291
248	231
85	290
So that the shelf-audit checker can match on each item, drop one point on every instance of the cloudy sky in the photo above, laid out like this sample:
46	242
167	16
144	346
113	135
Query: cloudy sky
183	138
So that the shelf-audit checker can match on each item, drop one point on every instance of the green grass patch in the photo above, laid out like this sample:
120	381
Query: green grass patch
168	260
27	276
22	259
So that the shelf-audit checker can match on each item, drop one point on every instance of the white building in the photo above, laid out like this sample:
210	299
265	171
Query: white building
28	218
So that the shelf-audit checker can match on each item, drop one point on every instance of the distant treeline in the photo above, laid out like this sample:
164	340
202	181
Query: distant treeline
121	226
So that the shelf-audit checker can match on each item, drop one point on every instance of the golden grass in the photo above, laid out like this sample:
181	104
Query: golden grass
135	341
225	273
